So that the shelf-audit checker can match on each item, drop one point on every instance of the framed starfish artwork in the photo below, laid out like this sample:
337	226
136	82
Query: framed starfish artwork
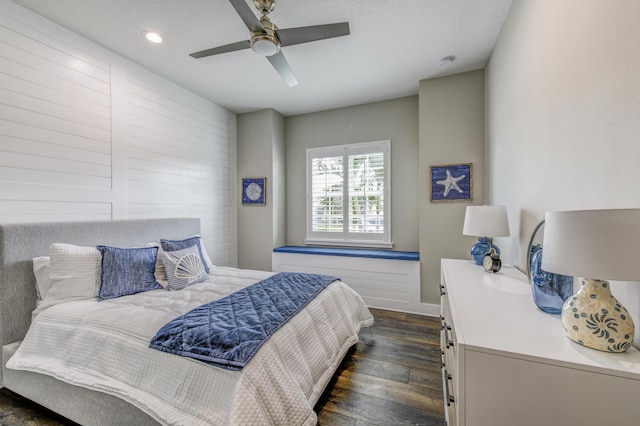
451	182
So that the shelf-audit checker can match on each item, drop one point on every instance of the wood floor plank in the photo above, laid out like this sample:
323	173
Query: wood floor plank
403	334
401	393
425	378
329	418
377	411
372	367
390	339
429	358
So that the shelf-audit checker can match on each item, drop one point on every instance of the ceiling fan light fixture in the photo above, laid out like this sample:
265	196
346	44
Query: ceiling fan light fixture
264	44
266	40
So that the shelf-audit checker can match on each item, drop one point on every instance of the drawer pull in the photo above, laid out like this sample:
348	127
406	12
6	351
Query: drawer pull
448	342
442	290
448	398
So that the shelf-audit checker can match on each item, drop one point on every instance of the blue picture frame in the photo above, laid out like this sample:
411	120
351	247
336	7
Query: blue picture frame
254	191
452	182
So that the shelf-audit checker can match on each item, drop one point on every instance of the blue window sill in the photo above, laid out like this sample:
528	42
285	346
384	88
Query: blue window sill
350	252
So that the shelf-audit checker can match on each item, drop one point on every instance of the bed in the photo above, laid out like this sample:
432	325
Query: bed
127	382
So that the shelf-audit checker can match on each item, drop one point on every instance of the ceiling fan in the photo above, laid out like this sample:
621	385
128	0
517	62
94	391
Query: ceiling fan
267	39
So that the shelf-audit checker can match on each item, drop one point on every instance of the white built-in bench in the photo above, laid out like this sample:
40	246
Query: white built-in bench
386	279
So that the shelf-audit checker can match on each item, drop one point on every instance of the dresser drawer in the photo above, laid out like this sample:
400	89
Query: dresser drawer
448	348
449	399
504	359
448	341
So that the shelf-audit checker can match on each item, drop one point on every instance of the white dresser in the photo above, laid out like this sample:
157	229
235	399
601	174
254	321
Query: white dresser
506	363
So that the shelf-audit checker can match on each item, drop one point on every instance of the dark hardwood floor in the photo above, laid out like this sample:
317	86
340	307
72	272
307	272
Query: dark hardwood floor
391	377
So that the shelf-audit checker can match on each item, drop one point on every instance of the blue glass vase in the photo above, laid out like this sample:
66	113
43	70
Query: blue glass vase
479	249
549	290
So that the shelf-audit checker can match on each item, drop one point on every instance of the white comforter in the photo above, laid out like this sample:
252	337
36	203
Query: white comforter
104	346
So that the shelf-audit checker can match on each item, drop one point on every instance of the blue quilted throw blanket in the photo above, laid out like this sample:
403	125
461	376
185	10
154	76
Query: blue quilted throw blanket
228	332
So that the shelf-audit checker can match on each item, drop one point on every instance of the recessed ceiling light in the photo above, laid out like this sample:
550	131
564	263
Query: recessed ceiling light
446	61
152	37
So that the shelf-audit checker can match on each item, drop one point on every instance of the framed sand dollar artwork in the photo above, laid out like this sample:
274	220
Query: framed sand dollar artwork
254	191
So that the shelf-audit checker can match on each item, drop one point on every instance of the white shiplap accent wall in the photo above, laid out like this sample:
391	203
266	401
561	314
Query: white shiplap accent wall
88	135
55	128
179	160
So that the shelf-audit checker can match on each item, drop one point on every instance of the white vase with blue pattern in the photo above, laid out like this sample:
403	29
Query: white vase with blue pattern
595	319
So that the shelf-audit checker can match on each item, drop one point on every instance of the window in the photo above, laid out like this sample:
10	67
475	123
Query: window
348	194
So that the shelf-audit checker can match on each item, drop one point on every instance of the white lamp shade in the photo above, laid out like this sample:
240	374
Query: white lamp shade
595	244
486	221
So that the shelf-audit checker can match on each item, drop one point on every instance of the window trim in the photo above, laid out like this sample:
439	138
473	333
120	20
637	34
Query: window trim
372	240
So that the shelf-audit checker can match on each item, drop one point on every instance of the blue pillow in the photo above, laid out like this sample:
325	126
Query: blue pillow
174	245
127	271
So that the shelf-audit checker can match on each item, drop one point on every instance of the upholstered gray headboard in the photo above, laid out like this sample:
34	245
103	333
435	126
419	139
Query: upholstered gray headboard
20	243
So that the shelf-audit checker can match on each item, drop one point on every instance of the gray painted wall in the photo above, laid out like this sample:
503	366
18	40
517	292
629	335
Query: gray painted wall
279	182
451	132
444	125
396	120
562	115
261	148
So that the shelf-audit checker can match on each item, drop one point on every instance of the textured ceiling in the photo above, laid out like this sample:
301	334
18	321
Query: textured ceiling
393	45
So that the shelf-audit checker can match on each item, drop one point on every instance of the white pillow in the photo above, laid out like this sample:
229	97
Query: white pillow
41	271
75	274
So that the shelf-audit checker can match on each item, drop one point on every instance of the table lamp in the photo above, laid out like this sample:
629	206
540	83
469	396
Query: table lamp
485	222
598	245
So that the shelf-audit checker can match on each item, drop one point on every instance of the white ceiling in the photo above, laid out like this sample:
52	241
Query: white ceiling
392	46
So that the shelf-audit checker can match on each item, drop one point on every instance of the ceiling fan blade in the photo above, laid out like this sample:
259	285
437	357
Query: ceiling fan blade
281	65
291	36
247	16
222	49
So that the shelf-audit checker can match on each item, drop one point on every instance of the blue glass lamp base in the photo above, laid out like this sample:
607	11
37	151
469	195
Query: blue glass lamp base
549	290
479	249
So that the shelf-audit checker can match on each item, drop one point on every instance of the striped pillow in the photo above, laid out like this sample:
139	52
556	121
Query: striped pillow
184	267
173	245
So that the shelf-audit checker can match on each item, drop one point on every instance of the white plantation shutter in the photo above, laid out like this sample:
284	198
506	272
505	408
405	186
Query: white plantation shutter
327	191
347	194
366	192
